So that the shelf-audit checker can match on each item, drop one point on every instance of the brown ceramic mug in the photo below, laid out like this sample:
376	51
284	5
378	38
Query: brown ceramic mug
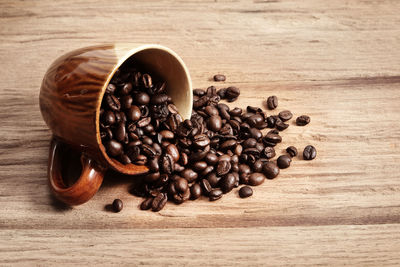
70	100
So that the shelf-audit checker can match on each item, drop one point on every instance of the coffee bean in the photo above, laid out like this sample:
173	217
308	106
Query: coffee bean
251	142
114	148
159	99
141	98
153	165
222	93
255	133
219	78
113	102
228	144
134	113
269	152
245	191
256	178
303	120
199	166
309	152
199	92
283	161
167	163
149	151
214	123
272	138
110	88
280	125
201	140
272	102
195	191
257	166
117	205
215	194
211	158
141	160
126	89
232	93
173	151
285	115
211	111
159	202
206	187
166	134
151	177
189	175
146	204
227	183
270	170
223	167
147	81
271	121
254	120
292	151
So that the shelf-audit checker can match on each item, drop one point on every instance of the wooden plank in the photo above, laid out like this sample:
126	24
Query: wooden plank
359	245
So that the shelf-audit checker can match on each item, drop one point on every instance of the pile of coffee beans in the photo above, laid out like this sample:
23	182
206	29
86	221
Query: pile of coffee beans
215	151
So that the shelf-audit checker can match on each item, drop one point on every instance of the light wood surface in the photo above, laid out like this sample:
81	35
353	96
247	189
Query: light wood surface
337	61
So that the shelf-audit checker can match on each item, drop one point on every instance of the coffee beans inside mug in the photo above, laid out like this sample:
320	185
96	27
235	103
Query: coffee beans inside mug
210	154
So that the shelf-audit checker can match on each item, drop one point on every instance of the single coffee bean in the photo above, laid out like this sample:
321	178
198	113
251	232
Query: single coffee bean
126	89
254	120
199	92
141	98
120	132
134	113
184	158
189	175
211	158
199	166
114	148
159	99
272	102
292	151
147	81
213	179
211	111
195	191
271	121
108	118
141	160
228	144
272	138
227	183
223	167
153	164
206	187
167	163
283	161
110	89
166	134
159	202
146	204
178	168
219	78
256	178
215	194
269	152
309	152
245	191
303	120
280	125
173	151
250	142
151	177
113	102
207	170
255	133
270	170
124	159
232	93
257	166
149	151
215	123
201	140
117	205
285	115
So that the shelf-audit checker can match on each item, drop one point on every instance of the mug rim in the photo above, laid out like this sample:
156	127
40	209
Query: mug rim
130	168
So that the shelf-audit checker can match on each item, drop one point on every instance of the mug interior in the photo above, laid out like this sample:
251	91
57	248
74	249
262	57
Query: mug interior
167	65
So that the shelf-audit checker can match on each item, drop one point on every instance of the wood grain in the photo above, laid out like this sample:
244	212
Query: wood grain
337	61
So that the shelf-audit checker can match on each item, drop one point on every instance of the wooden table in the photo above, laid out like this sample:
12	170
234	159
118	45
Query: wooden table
337	61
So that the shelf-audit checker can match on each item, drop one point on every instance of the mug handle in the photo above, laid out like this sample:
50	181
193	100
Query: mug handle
84	188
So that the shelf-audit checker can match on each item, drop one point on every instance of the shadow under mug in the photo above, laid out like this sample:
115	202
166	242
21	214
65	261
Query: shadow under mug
70	98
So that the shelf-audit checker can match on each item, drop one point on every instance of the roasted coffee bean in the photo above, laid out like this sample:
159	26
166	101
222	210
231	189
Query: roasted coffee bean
211	91
126	102
141	98
124	159
280	125
151	177
260	147
283	161
149	151
256	178
271	121
219	77
189	175
199	166
120	132
215	194
126	89
114	148
222	93
153	165
211	158
224	157
199	92
113	102
199	155
270	170
269	152
254	120
228	144
215	123
134	113
251	109
147	81
252	151
181	190
238	150
227	183
272	138
285	115
159	99
255	133
232	93
207	170
108	118
110	89
272	102
223	167
211	111
235	112
117	205
206	187
245	191
201	140
159	202
309	152
172	108
292	151
178	168
303	120
146	204
167	164
173	151
195	191
141	160
257	166
144	122
213	179
251	142
184	159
